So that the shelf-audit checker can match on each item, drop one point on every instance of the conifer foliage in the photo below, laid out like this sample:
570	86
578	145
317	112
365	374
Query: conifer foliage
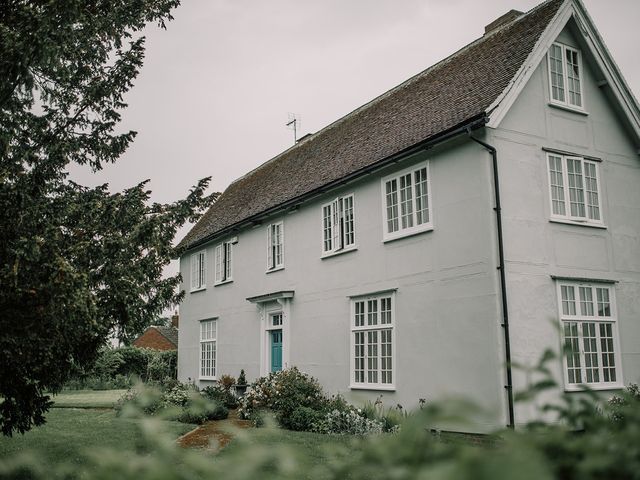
76	263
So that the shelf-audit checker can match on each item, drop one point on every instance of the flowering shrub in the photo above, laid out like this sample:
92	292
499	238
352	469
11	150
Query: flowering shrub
348	422
221	395
182	402
283	392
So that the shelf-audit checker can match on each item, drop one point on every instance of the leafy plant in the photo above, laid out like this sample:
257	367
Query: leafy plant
78	263
283	392
221	395
227	381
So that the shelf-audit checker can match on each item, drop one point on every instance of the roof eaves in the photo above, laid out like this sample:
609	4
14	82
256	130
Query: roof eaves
472	123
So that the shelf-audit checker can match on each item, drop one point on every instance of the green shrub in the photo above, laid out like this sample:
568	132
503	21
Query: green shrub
347	422
220	394
134	361
283	392
305	419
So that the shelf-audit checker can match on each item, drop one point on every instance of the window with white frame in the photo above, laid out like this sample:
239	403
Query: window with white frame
208	358
338	225
565	75
590	335
224	262
275	246
407	202
575	188
198	270
372	341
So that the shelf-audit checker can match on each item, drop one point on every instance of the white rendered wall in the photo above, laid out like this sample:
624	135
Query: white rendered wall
537	248
448	339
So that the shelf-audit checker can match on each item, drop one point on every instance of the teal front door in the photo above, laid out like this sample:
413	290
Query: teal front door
276	350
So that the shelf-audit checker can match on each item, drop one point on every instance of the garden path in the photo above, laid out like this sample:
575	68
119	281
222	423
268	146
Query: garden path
213	435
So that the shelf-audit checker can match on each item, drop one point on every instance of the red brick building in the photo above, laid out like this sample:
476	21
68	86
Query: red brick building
160	338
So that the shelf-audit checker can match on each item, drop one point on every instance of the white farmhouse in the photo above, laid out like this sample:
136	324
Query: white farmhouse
483	211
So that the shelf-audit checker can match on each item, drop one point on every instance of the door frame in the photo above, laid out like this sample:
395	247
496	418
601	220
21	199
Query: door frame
266	311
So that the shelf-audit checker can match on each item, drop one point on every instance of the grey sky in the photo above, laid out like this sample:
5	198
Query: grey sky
214	93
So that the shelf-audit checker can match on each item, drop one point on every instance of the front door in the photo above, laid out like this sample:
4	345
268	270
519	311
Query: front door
276	350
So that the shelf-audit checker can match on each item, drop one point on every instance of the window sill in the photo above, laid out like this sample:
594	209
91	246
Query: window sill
569	108
585	387
223	283
198	289
406	233
339	252
386	388
566	221
208	379
277	269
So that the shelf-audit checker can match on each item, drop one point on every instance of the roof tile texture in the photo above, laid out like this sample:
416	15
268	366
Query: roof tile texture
451	92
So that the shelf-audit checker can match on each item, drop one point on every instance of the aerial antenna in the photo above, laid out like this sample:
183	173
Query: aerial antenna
294	124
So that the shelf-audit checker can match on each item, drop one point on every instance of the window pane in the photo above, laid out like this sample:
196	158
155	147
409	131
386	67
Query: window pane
359	357
372	356
372	315
557	185
608	356
226	274
385	356
392	205
349	227
422	200
359	314
576	190
590	345
591	188
406	201
573	78
586	301
557	74
572	352
568	300
327	228
604	306
385	310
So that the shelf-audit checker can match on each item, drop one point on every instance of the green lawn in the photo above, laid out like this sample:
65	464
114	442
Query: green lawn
70	432
83	423
87	398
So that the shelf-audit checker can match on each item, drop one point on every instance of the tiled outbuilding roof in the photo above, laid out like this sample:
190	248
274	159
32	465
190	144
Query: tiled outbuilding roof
170	333
449	94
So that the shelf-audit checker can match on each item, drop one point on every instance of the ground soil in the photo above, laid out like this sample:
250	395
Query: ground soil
213	435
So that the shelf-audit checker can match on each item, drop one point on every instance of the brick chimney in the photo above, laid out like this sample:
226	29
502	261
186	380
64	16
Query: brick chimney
175	320
498	22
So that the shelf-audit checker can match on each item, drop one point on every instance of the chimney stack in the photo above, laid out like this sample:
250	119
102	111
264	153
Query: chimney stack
175	319
498	22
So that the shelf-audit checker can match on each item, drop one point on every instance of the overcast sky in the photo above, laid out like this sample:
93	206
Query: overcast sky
216	88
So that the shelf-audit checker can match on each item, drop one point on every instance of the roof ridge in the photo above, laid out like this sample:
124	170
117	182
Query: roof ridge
392	90
457	88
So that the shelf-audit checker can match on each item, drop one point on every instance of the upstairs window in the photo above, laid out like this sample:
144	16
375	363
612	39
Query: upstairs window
574	188
198	270
224	262
275	246
338	225
565	74
590	335
407	202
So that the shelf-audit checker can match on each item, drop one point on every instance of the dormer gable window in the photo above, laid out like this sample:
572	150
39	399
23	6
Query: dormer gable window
565	76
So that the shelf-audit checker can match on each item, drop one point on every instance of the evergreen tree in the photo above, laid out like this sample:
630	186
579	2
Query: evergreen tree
76	263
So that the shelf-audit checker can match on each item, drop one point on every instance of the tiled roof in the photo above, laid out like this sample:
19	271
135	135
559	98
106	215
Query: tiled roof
170	333
446	95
